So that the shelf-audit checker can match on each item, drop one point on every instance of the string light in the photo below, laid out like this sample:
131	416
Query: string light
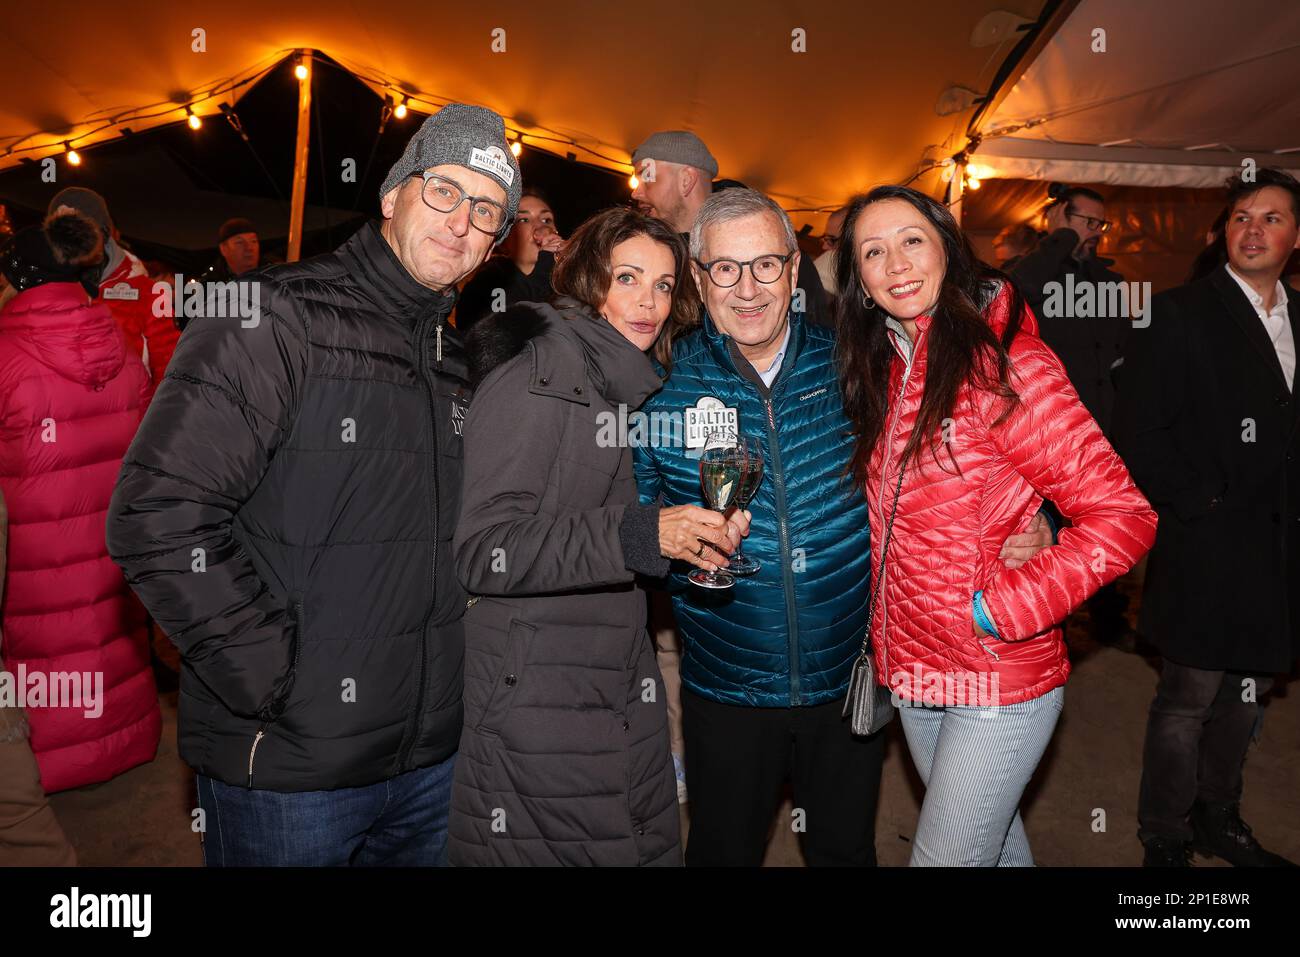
516	147
301	71
972	182
73	156
193	118
400	111
633	181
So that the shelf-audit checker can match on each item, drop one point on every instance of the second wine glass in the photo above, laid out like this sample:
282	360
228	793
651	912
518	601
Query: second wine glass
751	451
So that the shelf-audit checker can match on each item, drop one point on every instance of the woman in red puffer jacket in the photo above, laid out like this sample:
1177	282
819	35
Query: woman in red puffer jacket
964	422
71	397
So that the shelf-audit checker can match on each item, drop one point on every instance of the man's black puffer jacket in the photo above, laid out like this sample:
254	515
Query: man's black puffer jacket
285	518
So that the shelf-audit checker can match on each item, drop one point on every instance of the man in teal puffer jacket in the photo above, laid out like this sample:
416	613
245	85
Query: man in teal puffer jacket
766	662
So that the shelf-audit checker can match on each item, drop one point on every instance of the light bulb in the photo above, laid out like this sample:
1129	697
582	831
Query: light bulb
195	121
301	71
633	181
516	147
400	110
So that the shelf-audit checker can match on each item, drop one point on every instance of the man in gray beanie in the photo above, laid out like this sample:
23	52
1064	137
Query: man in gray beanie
286	513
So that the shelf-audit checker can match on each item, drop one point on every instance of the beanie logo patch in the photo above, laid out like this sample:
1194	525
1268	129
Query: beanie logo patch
492	160
122	290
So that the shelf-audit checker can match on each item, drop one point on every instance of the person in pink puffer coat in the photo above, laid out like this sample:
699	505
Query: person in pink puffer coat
965	421
71	397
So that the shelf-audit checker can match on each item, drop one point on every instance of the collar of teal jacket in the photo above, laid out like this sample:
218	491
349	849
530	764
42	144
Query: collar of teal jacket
720	346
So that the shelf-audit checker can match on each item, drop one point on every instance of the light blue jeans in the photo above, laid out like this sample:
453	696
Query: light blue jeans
975	763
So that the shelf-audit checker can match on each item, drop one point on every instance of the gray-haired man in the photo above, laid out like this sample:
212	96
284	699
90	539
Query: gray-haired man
286	513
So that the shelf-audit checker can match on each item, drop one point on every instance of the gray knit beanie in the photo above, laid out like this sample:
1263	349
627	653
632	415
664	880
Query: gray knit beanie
460	135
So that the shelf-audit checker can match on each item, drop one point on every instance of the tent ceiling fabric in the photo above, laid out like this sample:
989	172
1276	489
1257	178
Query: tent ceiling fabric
1183	91
857	109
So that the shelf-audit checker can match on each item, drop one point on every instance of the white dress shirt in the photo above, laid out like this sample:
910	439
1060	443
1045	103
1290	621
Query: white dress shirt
769	376
1276	323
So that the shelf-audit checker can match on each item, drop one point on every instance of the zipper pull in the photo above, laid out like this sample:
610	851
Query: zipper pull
438	347
261	733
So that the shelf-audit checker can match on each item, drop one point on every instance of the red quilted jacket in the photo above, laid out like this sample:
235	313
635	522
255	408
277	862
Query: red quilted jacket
128	293
950	527
71	396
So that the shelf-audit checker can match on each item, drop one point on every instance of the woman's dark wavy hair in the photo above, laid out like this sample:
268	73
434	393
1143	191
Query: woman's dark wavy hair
962	346
583	271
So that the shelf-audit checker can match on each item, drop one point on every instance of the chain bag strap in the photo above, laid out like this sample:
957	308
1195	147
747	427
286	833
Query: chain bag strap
869	705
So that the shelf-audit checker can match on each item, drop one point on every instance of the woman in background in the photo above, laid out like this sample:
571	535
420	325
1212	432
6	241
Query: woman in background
71	398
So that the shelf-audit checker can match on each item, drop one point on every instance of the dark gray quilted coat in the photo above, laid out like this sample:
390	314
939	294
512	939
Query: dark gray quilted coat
564	755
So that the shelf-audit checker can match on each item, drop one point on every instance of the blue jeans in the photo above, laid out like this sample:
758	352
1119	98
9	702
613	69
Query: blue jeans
975	763
401	822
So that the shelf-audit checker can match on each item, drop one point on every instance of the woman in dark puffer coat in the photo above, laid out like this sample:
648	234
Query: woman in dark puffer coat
564	757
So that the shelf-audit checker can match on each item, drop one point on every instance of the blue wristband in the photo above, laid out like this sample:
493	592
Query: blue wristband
981	614
1048	513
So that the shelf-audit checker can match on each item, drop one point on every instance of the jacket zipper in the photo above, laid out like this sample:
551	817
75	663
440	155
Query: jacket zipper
297	654
889	442
787	573
413	727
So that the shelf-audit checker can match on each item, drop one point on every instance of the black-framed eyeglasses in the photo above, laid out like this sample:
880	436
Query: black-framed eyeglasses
725	273
1096	225
445	195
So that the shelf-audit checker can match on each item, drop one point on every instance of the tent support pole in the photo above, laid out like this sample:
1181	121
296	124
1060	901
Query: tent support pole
300	151
957	191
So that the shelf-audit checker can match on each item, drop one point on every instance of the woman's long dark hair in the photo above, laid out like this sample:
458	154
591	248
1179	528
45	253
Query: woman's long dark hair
962	347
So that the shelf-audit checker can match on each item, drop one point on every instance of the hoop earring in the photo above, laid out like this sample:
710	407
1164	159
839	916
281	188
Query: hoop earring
868	301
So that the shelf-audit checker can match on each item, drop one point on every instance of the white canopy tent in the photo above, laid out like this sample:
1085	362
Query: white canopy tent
810	103
1152	94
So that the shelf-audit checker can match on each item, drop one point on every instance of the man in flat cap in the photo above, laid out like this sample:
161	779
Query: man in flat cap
286	514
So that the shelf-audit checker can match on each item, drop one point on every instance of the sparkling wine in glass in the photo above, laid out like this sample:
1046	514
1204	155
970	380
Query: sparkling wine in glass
751	478
721	473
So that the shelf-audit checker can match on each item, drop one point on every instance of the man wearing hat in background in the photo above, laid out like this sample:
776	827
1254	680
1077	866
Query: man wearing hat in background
125	287
239	248
675	173
286	514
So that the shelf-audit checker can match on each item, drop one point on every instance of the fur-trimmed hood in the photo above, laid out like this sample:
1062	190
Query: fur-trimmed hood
573	349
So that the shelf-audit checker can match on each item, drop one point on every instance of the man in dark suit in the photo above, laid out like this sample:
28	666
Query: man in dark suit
1206	420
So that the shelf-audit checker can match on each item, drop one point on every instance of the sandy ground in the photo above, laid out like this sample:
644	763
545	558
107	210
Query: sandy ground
144	818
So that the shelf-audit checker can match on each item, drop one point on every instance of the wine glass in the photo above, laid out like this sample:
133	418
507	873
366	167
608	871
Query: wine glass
721	469
751	478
